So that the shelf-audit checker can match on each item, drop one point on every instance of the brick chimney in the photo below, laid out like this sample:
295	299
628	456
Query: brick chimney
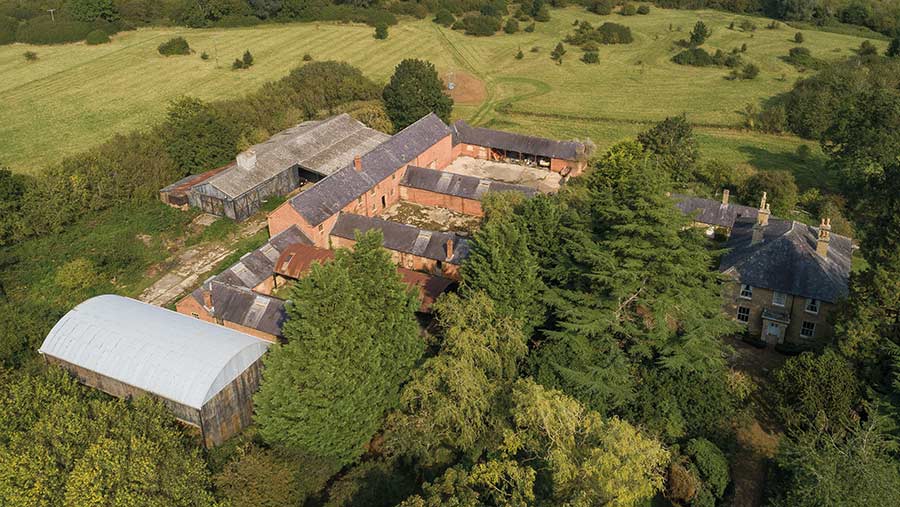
449	249
725	194
357	163
762	220
207	298
824	237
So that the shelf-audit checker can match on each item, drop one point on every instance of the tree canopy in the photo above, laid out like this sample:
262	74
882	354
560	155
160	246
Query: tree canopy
414	91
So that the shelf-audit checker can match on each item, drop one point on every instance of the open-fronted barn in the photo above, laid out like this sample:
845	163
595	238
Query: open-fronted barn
205	374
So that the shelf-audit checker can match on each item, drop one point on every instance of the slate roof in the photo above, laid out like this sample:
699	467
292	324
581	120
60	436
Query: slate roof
322	147
566	150
332	193
711	212
404	238
247	308
154	349
468	187
786	260
256	266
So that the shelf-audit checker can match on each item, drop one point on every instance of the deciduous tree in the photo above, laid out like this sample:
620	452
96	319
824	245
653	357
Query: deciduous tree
414	91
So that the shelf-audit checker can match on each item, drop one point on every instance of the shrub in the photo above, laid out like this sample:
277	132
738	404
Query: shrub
744	47
629	10
780	187
8	27
535	49
811	387
204	56
480	25
175	46
601	7
307	57
247	59
543	14
511	26
520	55
590	46
711	464
802	58
867	48
444	17
798	37
237	64
748	26
696	57
590	57
643	10
530	28
750	71
381	31
30	56
607	33
96	37
558	52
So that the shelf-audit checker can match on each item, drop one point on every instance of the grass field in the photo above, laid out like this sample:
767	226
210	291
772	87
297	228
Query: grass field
76	96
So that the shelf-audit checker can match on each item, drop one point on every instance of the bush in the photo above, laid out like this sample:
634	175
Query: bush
511	26
480	25
699	34
590	46
810	387
696	57
174	46
629	10
601	7
237	64
381	31
607	33
43	30
96	37
204	56
247	59
780	188
711	464
558	52
444	17
798	37
590	57
802	59
307	57
744	47
30	56
8	28
520	55
529	28
643	10
748	26
867	48
750	71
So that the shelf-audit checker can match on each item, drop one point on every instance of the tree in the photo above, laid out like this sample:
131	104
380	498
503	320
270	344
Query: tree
175	46
780	188
711	466
414	91
12	191
798	37
381	31
454	402
699	34
444	17
893	49
590	57
816	391
352	340
820	469
671	145
92	10
247	59
866	48
501	265
558	52
259	478
511	26
197	137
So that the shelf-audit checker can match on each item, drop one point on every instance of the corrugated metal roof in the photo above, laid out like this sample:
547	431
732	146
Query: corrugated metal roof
154	349
322	147
566	150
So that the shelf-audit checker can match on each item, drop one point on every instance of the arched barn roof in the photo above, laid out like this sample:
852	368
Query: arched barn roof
154	349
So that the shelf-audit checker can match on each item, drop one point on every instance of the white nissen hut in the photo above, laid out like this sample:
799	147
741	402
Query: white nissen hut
205	374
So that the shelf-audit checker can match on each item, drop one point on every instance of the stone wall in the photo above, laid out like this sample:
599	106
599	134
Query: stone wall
794	306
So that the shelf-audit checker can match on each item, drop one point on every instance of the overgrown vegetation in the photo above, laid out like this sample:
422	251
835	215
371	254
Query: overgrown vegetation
175	46
607	33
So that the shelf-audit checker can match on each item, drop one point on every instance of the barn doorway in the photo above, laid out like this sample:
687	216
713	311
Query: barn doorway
383	201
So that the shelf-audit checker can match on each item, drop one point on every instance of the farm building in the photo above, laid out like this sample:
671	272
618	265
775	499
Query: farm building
205	374
438	253
453	191
306	152
714	215
564	157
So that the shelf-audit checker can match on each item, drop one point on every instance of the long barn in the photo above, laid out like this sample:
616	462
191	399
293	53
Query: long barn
204	374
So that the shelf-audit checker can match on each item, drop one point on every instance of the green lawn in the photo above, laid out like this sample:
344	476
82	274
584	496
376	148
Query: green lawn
76	96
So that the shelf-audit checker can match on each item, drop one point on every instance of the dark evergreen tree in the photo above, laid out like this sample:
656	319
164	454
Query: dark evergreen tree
893	49
414	91
699	34
352	341
672	146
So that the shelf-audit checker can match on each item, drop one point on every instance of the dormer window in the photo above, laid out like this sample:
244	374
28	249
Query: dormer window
812	305
746	291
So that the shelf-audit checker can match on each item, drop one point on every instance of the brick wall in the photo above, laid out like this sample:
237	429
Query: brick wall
249	330
794	306
428	198
409	261
192	308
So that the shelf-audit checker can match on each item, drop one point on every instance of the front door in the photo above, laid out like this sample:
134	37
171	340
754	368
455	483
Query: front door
773	333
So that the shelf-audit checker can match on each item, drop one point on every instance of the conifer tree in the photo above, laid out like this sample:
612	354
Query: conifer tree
414	91
352	340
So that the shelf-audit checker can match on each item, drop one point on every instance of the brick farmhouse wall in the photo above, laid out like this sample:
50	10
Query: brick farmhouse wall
455	203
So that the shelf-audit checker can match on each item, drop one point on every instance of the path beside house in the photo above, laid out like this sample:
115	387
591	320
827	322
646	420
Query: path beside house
186	266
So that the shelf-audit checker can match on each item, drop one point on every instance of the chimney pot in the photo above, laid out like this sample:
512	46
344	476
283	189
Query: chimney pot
357	163
725	194
449	249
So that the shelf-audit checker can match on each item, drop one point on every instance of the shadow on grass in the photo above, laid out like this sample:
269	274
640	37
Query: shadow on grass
809	172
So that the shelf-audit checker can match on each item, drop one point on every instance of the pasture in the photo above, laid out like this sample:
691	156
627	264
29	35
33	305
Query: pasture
76	96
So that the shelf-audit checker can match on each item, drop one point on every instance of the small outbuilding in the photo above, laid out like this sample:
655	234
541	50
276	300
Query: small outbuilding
205	374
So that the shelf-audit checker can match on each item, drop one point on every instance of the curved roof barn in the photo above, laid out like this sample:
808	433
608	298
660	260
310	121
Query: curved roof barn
159	351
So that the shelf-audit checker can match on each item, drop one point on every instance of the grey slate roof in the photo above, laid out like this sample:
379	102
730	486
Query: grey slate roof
711	212
468	187
322	147
256	266
331	194
154	349
247	308
786	260
567	150
404	238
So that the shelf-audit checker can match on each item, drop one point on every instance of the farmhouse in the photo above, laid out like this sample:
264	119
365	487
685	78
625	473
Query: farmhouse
785	278
205	374
715	216
306	152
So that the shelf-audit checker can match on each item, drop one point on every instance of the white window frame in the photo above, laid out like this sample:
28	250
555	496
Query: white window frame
745	287
812	305
739	314
808	331
776	298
